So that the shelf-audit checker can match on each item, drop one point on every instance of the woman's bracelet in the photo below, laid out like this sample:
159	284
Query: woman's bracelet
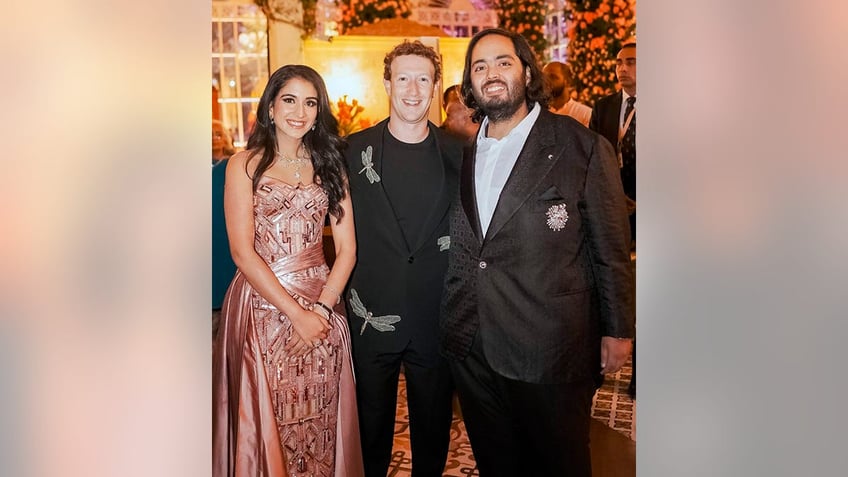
338	294
325	307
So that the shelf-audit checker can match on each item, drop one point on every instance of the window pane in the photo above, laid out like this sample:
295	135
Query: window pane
228	79
228	37
248	113
231	115
253	76
216	72
239	63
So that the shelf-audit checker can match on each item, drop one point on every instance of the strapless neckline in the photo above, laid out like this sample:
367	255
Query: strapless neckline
300	185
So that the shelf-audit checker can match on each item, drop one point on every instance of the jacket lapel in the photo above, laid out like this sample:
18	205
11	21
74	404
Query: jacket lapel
613	119
378	191
439	208
536	159
467	192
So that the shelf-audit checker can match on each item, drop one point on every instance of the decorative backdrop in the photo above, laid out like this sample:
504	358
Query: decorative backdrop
362	12
597	30
526	17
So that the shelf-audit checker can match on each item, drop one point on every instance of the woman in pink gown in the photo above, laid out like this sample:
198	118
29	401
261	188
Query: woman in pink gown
283	391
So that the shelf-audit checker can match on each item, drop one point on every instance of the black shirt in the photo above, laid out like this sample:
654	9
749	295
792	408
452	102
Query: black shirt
412	178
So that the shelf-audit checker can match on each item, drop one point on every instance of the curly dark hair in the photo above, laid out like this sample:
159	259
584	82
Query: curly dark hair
412	48
535	93
324	144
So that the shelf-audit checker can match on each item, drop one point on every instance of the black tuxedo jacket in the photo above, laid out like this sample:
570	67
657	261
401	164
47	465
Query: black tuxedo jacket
541	296
606	116
392	276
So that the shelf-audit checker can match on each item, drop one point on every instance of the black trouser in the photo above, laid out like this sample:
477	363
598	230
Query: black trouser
523	429
429	391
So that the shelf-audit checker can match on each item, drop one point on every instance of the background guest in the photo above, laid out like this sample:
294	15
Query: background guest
222	143
457	116
614	117
558	78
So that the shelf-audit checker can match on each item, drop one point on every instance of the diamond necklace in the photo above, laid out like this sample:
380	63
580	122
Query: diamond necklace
297	162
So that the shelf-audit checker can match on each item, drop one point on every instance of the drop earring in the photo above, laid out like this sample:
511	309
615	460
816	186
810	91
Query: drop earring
272	120
313	126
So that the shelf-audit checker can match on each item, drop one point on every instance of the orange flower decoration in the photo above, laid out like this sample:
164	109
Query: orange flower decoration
348	116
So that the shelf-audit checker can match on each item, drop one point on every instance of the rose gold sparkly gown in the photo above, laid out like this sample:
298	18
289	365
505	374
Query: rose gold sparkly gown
274	414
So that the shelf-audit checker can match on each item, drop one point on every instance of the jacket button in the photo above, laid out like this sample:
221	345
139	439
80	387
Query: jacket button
483	264
410	259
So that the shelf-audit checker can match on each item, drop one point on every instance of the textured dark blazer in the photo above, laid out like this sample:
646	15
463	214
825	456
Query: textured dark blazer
606	116
605	121
391	276
542	298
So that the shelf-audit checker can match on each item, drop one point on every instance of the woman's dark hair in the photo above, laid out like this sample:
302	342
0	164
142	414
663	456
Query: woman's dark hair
535	90
323	143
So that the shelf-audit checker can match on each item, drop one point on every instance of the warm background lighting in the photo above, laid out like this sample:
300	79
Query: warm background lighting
352	66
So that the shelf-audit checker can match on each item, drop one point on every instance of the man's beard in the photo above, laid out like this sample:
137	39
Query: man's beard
502	108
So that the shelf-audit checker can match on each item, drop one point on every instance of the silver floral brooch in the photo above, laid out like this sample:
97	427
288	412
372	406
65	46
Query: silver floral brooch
557	217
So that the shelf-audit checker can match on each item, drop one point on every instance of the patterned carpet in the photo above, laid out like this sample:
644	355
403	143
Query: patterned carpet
611	405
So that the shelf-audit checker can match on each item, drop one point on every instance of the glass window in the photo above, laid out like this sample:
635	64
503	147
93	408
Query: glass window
239	63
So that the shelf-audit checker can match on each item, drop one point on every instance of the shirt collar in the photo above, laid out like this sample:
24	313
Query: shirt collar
522	128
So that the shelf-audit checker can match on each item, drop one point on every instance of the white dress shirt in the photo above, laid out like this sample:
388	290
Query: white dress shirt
578	111
494	161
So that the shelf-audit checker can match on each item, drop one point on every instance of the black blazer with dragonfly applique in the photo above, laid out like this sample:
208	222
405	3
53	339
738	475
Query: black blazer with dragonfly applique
393	278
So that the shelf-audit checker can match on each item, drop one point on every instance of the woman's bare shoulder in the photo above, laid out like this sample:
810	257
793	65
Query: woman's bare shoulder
243	162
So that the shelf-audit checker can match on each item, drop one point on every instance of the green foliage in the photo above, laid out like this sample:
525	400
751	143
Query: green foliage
364	12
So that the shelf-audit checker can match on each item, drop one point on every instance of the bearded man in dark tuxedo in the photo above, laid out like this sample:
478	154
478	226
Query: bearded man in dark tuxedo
537	297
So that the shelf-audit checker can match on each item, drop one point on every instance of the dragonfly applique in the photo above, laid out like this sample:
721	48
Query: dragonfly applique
380	323
368	166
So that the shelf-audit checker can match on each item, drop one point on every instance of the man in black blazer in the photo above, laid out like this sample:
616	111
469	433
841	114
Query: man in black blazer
537	297
610	116
403	175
